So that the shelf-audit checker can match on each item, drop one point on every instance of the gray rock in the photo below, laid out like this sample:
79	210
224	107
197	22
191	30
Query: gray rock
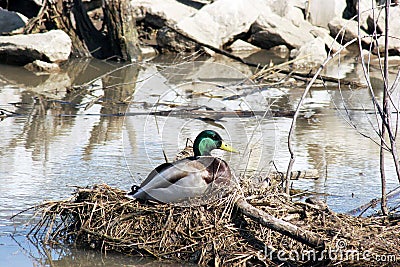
220	22
10	21
160	13
311	54
279	7
215	24
148	52
271	30
322	11
172	41
41	66
394	32
324	34
376	19
292	9
283	8
282	50
295	15
347	30
330	43
293	53
53	46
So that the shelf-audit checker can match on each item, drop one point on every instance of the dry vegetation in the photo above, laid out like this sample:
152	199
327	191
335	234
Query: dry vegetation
216	233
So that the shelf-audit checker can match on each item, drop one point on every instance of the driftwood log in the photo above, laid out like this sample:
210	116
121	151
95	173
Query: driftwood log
286	228
121	25
119	39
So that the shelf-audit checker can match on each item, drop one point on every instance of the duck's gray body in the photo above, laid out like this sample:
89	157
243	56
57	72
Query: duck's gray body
182	179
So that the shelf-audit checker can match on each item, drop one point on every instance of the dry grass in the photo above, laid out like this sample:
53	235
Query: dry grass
215	233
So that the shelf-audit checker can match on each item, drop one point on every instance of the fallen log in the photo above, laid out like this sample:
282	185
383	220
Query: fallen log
306	237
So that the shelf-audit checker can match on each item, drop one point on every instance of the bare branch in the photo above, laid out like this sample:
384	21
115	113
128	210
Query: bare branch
296	114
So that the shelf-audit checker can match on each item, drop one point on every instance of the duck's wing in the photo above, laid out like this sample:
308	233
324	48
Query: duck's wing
136	191
155	172
171	182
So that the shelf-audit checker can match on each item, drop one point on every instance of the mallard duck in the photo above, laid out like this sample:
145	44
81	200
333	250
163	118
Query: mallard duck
188	177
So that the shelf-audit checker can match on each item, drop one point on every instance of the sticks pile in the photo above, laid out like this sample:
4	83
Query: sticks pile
216	233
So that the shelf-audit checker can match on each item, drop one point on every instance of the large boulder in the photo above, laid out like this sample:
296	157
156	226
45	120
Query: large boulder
271	30
293	10
10	21
311	54
160	13
330	43
322	11
346	30
283	8
53	46
220	22
394	32
171	41
295	15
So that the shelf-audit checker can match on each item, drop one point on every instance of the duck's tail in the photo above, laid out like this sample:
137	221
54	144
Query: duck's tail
134	189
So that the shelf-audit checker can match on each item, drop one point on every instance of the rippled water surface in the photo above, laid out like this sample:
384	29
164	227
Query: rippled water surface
67	130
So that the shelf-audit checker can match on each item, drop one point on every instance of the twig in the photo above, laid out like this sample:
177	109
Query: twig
34	21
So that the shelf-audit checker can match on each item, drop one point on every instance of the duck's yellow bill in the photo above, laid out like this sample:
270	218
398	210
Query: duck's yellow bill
226	147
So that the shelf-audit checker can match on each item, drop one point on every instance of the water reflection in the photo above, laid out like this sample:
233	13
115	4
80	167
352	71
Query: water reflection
71	135
41	147
118	90
37	254
191	88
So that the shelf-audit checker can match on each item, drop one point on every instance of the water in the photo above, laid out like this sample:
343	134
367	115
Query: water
63	136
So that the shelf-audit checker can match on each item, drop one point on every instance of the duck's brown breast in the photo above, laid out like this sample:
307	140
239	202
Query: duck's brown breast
217	169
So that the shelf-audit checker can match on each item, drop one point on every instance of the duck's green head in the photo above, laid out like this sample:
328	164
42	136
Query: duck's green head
208	140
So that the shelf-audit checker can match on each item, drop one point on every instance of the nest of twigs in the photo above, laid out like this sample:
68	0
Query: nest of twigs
216	233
